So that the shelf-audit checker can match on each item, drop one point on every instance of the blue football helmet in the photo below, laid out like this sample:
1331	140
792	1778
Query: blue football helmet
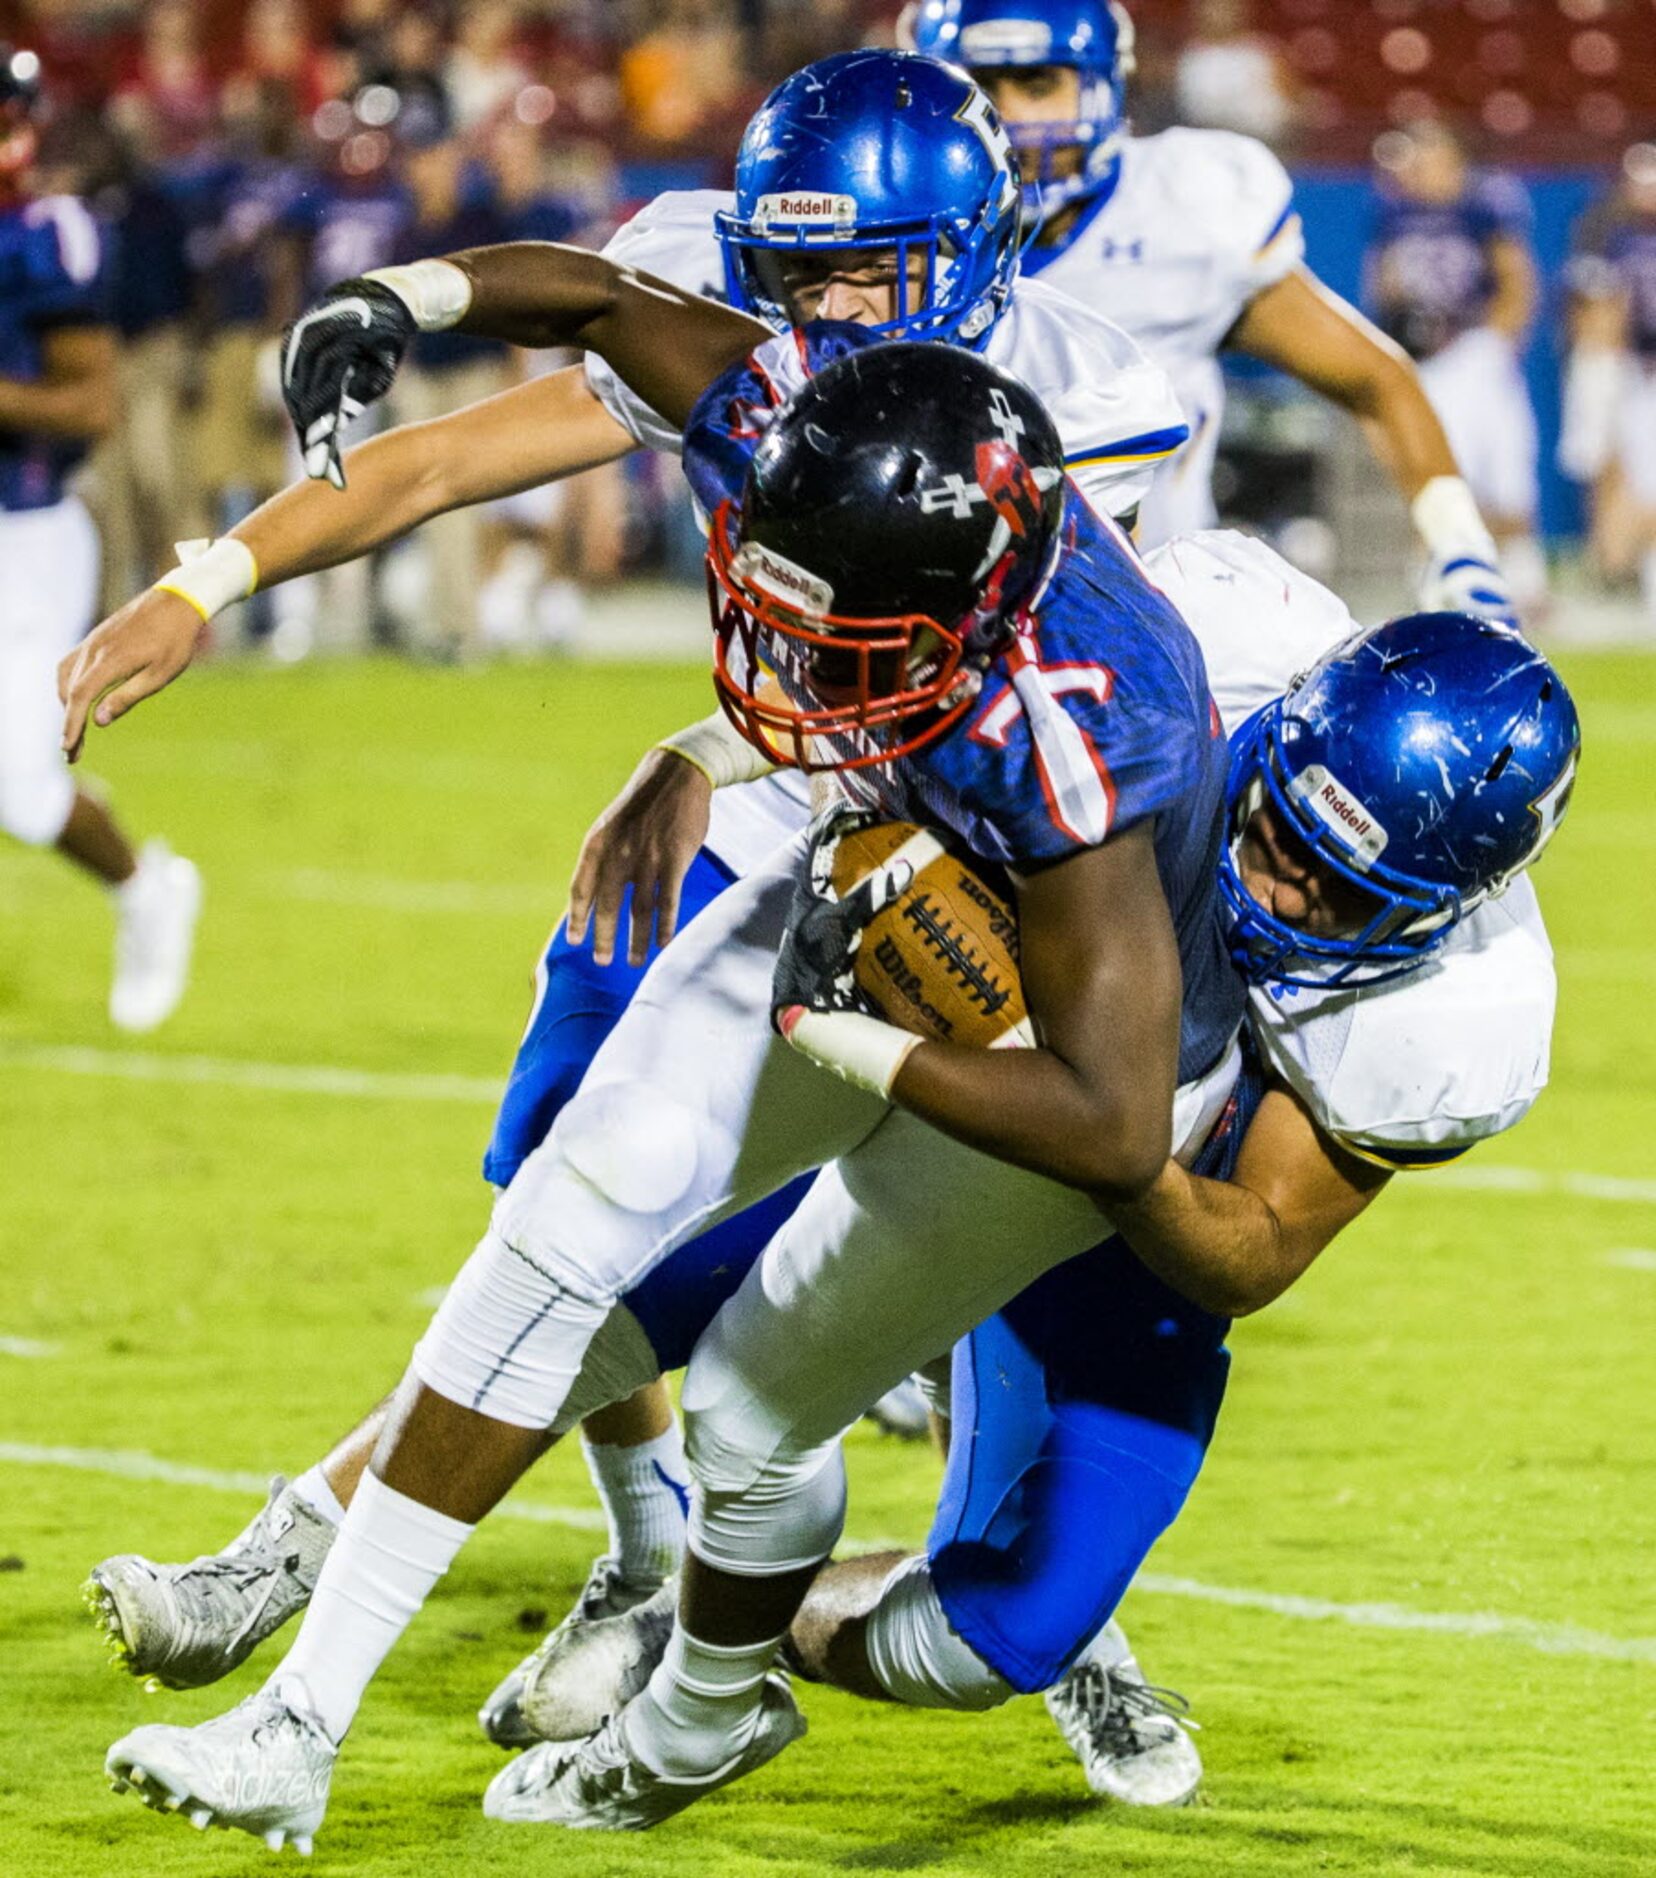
881	150
1426	763
1095	37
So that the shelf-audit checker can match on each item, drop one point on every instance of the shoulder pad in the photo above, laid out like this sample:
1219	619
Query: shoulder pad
1259	621
1115	407
1413	1073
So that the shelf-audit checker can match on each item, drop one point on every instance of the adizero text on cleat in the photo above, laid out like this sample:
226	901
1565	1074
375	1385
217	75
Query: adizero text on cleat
263	1768
184	1626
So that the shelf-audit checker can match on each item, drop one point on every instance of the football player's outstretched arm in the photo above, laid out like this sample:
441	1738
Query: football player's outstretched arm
667	344
343	352
1232	1246
1092	1106
1303	328
537	432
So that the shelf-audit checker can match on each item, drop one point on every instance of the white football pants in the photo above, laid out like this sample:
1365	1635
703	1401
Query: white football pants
692	1110
49	563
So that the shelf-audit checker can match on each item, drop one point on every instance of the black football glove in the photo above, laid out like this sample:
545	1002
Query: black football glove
337	358
816	966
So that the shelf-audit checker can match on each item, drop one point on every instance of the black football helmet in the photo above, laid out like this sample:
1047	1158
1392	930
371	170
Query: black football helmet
900	513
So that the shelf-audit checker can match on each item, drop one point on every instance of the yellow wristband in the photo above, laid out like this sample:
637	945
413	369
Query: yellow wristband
212	575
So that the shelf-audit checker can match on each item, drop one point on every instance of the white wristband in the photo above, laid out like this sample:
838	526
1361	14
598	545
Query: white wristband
1447	519
719	750
437	293
212	575
865	1051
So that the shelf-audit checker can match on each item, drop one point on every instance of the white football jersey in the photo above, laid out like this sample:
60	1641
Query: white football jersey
1116	412
1199	222
1412	1073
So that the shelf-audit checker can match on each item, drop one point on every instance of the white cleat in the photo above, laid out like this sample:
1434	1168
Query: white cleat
585	1669
184	1626
263	1768
1131	1738
158	909
596	1785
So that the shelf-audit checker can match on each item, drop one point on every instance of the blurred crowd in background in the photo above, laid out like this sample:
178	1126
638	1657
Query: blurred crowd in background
242	155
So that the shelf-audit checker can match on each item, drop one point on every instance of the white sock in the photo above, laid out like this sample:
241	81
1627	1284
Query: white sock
390	1551
646	1495
312	1487
701	1706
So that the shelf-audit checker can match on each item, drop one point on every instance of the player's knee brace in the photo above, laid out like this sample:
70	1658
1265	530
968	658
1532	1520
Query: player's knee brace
508	1340
917	1658
789	1517
35	800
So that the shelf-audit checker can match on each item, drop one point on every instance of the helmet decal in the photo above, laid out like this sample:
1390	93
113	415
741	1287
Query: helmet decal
1338	809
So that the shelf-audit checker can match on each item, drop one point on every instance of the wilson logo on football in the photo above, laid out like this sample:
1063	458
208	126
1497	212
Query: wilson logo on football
1339	809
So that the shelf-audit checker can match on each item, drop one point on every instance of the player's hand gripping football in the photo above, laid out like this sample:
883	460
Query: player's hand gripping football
337	358
816	966
139	650
645	840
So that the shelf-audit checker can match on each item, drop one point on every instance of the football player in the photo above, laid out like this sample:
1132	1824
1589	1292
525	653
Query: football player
1401	1000
1451	275
57	394
1189	240
977	588
1609	438
954	223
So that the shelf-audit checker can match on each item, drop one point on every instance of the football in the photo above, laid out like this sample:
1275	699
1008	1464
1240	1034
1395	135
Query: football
942	959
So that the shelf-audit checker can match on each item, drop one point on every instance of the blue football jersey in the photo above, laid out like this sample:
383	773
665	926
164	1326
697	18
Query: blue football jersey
52	265
1428	264
1096	717
349	229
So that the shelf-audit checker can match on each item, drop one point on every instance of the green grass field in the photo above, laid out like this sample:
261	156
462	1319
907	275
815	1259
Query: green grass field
1411	1599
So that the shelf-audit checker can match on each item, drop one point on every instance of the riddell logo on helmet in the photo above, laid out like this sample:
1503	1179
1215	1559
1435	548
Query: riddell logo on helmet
804	206
782	579
1338	808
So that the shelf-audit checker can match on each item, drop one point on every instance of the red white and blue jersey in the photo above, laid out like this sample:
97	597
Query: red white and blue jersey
1430	277
51	275
1095	718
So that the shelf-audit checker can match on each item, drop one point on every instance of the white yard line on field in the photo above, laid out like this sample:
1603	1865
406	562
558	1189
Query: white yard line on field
1614	1188
324	1079
415	1086
1551	1639
1632	1258
330	1079
27	1346
132	1464
387	893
